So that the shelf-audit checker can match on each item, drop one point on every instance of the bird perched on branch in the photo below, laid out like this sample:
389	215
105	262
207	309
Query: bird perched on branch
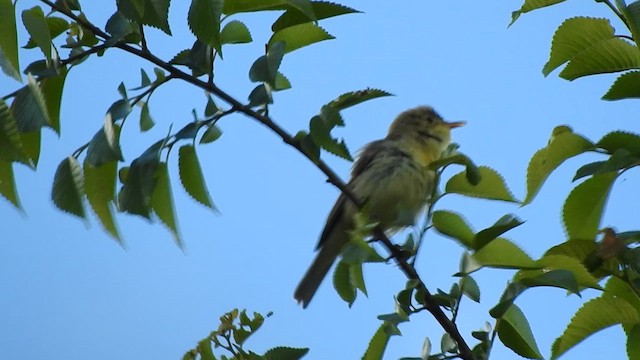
391	176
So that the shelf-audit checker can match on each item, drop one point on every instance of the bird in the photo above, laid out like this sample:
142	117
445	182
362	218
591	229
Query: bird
392	177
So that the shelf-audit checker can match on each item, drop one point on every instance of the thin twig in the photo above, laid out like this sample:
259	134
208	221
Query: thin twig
615	10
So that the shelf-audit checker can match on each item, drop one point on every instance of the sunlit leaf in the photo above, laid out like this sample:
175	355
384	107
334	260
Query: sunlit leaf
162	202
52	92
453	225
502	253
191	176
204	21
100	187
625	87
530	5
105	144
352	98
582	211
235	32
491	186
501	226
8	184
514	331
342	283
9	61
377	344
321	10
299	36
36	24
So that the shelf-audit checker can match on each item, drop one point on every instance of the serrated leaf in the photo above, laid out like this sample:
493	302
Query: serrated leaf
120	109
470	288
105	145
162	202
549	263
321	10
100	186
146	122
352	98
285	353
511	292
501	226
238	6
625	87
211	134
52	92
29	108
593	316
235	32
260	95
191	176
68	187
622	289
377	344
612	55
502	253
281	83
211	108
299	36
31	146
140	182
453	225
633	339
118	26
342	283
9	61
582	211
617	140
357	278
530	5
514	331
621	159
307	144
36	24
204	21
8	184
11	148
154	13
491	186
562	146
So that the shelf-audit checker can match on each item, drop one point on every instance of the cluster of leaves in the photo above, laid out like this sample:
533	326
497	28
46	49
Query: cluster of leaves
590	46
234	329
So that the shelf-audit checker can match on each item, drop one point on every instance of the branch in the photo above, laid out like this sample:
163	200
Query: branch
410	272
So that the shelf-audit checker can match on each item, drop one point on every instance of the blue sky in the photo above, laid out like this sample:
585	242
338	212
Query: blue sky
68	291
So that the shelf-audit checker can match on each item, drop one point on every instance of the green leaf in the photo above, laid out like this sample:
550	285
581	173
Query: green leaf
309	146
140	182
238	6
633	339
154	13
29	108
352	98
514	331
120	109
285	353
593	316
357	278
590	46
52	92
342	283
260	95
530	5
162	203
319	131
549	263
36	24
191	176
68	187
616	140
470	288
282	83
118	26
305	7
211	108
377	344
11	148
501	226
31	146
511	292
472	171
453	225
582	211
621	159
211	134
321	10
8	184
100	186
9	61
204	21
563	145
146	122
491	186
622	289
265	68
235	32
299	36
104	147
502	253
625	87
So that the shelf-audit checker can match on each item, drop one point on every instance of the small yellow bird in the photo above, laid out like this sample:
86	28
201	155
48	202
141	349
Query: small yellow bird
392	177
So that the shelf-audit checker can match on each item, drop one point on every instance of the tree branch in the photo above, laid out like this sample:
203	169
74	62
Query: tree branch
410	272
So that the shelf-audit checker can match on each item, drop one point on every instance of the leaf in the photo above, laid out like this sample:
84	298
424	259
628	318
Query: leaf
617	140
146	122
310	148
265	68
453	225
118	26
319	132
100	186
29	108
549	263
162	203
36	24
622	289
235	32
191	176
285	353
447	344
514	331
238	6
204	21
625	87
140	182
377	344
11	147
530	5
9	40
154	13
260	95
68	187
352	98
563	145
470	288
619	160
52	93
582	211
357	278
104	147
491	186
342	283
593	316
501	226
120	109
633	339
299	36
31	146
321	10
211	134
282	83
612	55
502	253
8	184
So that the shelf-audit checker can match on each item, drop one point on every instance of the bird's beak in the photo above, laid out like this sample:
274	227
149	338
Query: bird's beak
455	124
